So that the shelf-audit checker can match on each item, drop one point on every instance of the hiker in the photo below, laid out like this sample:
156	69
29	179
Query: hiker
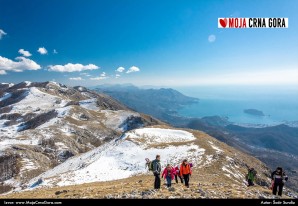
185	171
156	168
177	174
278	178
191	165
251	176
169	174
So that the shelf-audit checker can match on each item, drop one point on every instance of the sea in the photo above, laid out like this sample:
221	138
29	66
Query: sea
278	103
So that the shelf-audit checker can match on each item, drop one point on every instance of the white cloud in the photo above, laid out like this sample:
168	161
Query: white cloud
20	65
120	69
72	67
2	72
42	50
55	51
133	69
2	33
211	38
118	76
25	53
101	77
76	78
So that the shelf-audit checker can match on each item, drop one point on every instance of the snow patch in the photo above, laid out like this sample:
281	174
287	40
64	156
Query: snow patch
229	159
62	112
157	135
28	83
9	84
90	104
209	159
5	143
80	89
5	96
8	131
12	182
55	83
233	171
27	165
67	130
217	149
116	119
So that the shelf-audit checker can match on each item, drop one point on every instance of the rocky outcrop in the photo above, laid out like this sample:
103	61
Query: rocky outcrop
8	166
64	155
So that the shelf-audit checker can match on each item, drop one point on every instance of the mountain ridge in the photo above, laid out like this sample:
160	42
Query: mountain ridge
157	102
43	124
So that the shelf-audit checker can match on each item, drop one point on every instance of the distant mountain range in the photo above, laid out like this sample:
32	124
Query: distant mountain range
275	145
160	103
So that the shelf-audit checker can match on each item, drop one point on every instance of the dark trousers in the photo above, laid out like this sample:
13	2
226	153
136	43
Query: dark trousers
176	178
280	186
169	181
250	182
157	181
186	180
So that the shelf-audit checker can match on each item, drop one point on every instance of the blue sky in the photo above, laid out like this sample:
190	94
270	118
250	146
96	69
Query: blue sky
157	42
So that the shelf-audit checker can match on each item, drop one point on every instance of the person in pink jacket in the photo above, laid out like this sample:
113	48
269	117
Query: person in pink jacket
169	174
178	174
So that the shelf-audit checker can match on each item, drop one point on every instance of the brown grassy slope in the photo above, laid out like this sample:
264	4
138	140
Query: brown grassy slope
141	187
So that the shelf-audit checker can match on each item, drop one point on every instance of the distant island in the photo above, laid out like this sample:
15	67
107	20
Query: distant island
254	112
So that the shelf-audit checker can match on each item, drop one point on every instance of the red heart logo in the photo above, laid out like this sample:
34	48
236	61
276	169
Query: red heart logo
223	22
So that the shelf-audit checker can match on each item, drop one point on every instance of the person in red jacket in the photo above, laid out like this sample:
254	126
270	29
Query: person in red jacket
169	174
185	171
178	174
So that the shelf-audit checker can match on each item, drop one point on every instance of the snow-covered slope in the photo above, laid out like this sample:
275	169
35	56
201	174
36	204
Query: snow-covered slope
124	157
36	101
43	124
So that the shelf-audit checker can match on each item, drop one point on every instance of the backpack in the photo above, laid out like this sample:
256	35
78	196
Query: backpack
149	164
253	171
